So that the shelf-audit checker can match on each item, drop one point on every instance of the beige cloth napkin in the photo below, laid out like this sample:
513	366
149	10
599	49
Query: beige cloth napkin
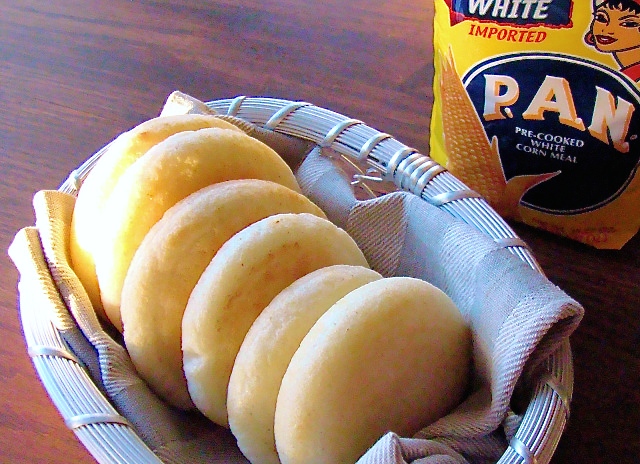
517	316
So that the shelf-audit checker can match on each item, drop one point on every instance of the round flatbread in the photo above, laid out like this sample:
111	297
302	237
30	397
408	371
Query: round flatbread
394	354
267	350
97	186
248	271
171	259
170	171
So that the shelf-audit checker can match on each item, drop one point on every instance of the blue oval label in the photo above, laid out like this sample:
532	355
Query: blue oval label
556	113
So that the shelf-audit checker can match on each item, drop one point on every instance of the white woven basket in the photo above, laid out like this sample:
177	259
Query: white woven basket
381	158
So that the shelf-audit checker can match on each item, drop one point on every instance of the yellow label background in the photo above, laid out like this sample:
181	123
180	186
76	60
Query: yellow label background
608	227
470	50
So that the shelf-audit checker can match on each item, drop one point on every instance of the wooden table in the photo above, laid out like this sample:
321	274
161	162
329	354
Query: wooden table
76	73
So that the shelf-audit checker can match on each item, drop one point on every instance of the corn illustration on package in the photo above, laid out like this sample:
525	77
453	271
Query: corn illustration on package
537	108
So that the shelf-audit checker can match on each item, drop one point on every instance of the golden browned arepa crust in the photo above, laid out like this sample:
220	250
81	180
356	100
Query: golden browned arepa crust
170	171
97	186
393	354
248	271
171	259
267	350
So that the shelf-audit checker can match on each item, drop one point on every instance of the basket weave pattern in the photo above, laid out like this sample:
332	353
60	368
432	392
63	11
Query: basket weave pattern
379	159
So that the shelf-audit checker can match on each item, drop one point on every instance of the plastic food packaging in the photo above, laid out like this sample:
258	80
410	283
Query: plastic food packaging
537	108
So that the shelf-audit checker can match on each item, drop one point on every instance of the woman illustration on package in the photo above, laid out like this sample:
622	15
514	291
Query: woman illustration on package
615	29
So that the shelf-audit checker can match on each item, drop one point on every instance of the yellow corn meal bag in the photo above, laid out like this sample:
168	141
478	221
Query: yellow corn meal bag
537	107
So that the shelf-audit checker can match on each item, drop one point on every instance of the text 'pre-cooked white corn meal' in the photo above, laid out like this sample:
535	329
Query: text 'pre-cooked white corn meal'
537	107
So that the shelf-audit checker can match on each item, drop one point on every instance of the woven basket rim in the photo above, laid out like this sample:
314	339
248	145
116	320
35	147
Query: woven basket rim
111	439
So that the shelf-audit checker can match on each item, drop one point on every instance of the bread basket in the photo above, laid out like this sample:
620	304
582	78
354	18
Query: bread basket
378	159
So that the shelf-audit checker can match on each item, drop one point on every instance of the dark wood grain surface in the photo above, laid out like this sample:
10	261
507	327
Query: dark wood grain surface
74	74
